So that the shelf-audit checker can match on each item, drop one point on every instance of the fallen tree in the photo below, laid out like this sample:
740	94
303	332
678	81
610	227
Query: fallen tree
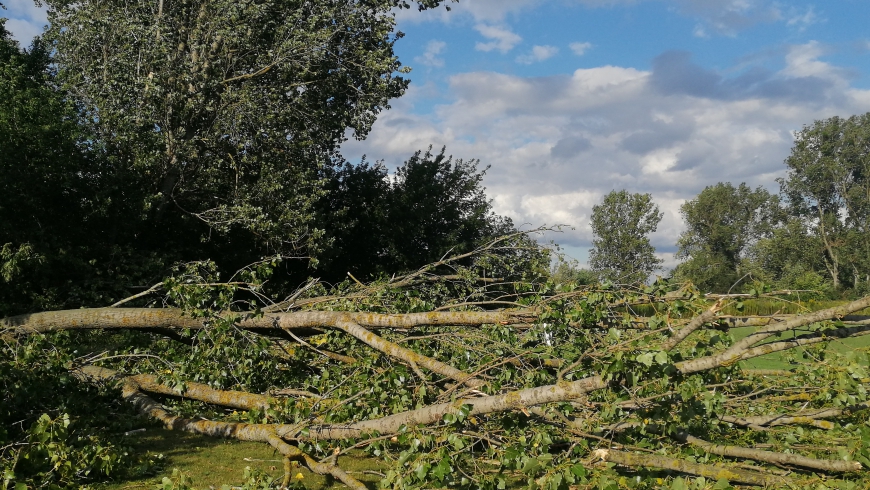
456	379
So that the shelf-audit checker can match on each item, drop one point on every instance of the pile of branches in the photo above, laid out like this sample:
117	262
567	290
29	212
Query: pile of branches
455	377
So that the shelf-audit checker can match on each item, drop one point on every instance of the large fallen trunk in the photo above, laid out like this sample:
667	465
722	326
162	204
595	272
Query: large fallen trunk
170	318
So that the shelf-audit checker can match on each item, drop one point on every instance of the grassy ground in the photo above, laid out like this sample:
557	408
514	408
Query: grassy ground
211	462
780	360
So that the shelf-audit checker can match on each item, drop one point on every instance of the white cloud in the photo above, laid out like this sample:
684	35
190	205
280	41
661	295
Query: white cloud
558	143
538	53
23	31
502	38
430	55
802	20
580	48
26	20
802	61
24	9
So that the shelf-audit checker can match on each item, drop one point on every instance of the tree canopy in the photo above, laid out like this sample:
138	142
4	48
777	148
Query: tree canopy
723	223
622	251
812	237
828	188
177	139
379	223
225	111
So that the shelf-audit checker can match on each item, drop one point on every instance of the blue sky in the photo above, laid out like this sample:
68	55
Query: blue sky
569	99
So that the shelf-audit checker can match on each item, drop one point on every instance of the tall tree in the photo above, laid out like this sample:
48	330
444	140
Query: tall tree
791	257
721	224
226	110
61	212
378	223
622	251
437	206
828	187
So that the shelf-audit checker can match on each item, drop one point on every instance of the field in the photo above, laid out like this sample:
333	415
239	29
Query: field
211	463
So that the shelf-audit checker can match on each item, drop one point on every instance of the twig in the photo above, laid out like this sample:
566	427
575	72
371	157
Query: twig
696	323
137	296
332	355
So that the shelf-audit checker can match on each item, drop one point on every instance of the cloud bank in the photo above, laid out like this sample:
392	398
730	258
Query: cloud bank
25	20
557	144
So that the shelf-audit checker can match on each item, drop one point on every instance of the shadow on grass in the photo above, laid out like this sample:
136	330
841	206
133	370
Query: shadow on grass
211	462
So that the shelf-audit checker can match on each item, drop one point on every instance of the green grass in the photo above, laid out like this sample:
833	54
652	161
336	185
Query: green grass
780	360
762	306
212	462
771	306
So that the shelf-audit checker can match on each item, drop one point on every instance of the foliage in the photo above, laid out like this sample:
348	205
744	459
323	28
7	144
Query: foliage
64	223
828	189
174	147
565	271
723	222
791	258
380	224
226	110
621	249
52	442
647	395
197	136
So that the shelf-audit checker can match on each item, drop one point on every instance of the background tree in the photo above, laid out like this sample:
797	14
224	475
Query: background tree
377	223
828	188
564	271
65	219
791	257
722	223
226	111
621	224
185	144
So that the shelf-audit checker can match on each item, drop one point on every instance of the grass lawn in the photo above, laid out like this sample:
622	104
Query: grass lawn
210	462
779	360
768	306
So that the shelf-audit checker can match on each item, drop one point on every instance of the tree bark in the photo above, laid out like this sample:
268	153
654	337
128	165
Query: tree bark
394	350
131	392
149	318
770	456
715	472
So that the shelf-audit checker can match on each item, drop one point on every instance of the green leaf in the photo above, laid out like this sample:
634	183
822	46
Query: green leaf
646	359
722	485
530	465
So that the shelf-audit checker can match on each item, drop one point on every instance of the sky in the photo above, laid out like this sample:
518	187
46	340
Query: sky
567	100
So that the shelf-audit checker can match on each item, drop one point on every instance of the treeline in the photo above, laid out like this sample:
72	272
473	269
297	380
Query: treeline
813	236
129	148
